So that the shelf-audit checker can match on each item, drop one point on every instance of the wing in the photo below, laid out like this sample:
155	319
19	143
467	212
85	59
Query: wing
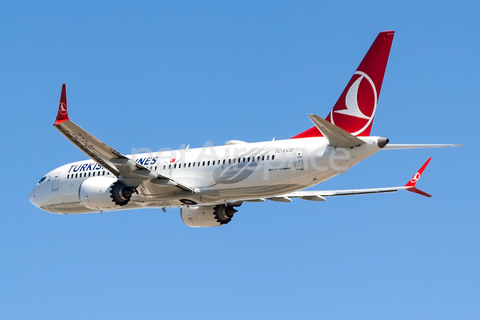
321	195
124	168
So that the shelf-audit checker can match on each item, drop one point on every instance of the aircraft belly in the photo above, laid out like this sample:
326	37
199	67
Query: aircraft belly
66	208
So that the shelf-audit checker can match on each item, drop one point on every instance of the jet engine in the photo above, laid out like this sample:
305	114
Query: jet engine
207	216
103	193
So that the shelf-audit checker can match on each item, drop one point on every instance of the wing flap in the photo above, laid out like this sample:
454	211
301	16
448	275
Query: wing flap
307	195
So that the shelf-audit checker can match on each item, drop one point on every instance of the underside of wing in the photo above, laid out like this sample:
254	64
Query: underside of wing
125	169
322	194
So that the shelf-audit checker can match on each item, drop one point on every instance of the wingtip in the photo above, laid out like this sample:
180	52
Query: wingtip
418	191
387	35
412	182
62	114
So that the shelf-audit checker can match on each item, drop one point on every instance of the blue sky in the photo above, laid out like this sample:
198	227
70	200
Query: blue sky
161	74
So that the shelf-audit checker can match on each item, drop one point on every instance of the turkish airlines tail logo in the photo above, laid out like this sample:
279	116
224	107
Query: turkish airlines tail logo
355	108
351	100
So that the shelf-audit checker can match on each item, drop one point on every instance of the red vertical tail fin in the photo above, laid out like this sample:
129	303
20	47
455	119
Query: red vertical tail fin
355	109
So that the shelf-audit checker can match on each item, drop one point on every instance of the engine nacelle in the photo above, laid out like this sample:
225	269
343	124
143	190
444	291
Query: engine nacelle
207	216
103	193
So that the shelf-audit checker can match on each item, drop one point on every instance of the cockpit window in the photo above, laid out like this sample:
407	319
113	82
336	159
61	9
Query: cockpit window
41	180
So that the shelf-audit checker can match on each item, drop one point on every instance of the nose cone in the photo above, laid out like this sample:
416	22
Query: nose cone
33	197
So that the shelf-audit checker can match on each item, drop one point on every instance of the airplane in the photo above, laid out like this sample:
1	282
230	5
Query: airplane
208	184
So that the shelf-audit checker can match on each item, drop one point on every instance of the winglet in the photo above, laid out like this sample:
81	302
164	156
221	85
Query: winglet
411	184
62	114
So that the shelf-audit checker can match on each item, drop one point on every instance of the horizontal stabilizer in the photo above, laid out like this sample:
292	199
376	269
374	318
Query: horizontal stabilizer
419	146
336	136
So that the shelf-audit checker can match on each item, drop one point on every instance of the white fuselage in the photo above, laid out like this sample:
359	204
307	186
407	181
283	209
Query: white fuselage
237	171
